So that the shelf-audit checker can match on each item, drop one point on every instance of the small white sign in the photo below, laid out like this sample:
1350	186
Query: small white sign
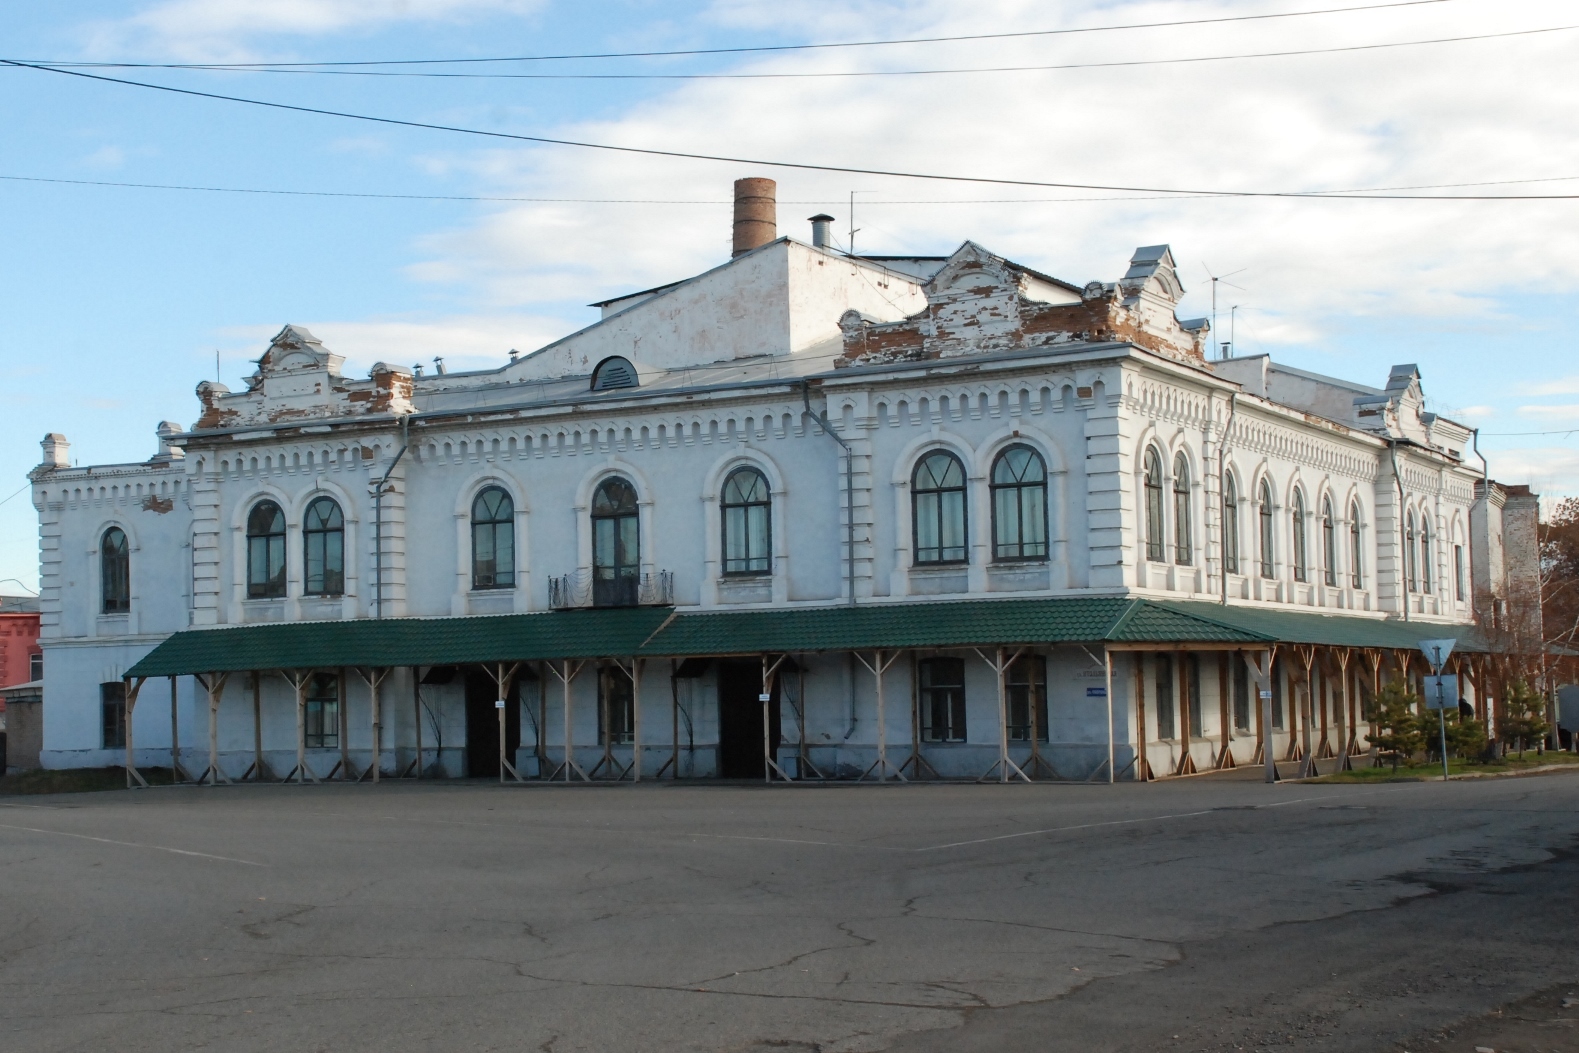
764	697
1265	695
498	703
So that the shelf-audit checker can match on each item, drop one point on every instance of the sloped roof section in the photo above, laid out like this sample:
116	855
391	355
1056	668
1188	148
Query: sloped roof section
961	623
1329	630
405	641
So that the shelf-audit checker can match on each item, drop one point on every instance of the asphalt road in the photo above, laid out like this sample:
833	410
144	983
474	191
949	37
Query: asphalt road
1196	915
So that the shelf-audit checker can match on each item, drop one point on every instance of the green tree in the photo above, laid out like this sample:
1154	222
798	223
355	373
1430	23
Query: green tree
1398	729
1466	736
1523	715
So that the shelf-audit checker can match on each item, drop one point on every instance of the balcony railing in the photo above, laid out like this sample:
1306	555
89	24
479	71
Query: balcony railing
582	588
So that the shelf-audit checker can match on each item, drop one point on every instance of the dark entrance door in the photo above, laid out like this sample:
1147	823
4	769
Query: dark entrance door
740	720
482	723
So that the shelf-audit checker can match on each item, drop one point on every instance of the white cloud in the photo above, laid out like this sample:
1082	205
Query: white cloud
1551	471
1405	117
474	341
1569	411
220	30
1554	386
106	157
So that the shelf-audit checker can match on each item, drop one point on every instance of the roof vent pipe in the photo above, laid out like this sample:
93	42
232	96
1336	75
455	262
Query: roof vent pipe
822	231
756	214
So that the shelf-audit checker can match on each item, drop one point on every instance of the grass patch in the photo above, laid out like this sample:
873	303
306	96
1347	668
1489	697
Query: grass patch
77	780
1421	772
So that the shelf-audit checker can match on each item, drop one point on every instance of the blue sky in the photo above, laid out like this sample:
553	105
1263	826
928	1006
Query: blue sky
116	300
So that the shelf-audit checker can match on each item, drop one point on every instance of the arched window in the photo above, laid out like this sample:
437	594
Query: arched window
1019	505
937	505
115	571
265	551
1411	571
746	508
1230	524
616	544
493	539
1329	543
1183	552
1425	552
1154	537
1356	563
1301	556
1264	514
323	538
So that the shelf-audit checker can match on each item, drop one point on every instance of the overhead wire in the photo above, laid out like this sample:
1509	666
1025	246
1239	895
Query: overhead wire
766	163
766	48
849	74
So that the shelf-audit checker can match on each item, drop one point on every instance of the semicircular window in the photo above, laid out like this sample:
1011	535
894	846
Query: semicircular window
614	372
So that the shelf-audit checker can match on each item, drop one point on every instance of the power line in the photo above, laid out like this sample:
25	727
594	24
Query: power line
844	74
801	166
768	47
702	201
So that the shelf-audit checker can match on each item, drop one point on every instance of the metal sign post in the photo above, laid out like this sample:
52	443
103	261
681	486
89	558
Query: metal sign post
1436	652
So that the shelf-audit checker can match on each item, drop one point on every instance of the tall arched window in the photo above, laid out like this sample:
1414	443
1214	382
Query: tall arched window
493	539
1300	554
1411	573
1183	551
1154	535
1356	563
1329	543
115	572
746	511
265	551
1264	515
1230	524
1019	505
937	504
1425	552
616	544
323	538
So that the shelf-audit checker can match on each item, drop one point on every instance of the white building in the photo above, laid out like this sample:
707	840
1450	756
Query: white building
797	463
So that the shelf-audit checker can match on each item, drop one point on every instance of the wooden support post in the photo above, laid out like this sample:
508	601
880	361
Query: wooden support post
674	714
132	688
1185	703
1225	726
177	773
257	726
1261	671
1107	673
881	766
770	764
299	679
636	664
416	711
374	679
502	679
1307	758
343	713
569	767
215	685
1003	765
1319	697
1143	772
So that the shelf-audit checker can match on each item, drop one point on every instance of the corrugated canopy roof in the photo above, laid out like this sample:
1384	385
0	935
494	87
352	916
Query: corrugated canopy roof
662	632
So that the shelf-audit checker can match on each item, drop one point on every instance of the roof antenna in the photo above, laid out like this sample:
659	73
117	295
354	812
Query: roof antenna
854	230
1215	279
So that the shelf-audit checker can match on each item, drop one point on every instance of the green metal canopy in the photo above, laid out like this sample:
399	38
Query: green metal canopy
663	632
959	623
1329	630
383	642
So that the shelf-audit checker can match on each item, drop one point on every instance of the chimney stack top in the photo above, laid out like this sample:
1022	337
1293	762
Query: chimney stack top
822	230
756	214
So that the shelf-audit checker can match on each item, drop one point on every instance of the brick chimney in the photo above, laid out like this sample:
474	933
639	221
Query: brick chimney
756	214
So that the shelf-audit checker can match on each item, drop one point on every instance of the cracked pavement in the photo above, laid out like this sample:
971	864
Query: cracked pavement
1206	914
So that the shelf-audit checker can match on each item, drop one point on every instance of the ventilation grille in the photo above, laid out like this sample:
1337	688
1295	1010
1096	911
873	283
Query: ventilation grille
613	373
